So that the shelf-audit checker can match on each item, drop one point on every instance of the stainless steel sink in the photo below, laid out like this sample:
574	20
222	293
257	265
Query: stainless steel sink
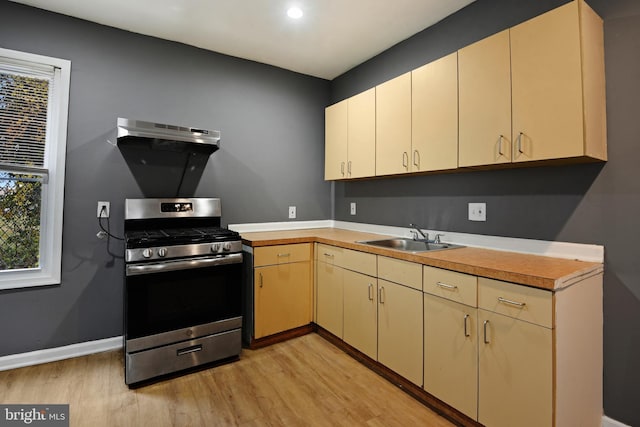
410	245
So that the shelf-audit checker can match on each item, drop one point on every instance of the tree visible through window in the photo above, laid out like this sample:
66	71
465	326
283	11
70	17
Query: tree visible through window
24	105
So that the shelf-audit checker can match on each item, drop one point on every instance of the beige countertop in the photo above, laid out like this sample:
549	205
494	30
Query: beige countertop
532	270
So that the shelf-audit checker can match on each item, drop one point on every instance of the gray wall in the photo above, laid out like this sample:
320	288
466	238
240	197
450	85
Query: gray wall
272	124
596	203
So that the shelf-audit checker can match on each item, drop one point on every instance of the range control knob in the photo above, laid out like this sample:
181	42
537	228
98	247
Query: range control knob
215	247
147	253
226	246
162	252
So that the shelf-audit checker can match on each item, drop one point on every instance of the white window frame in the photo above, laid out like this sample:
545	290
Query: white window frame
49	270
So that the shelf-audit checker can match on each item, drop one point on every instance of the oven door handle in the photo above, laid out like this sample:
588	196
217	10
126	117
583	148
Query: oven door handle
182	264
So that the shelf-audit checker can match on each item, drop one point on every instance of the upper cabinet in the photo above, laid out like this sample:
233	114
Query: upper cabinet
434	115
532	93
393	126
335	144
535	92
484	75
557	77
350	139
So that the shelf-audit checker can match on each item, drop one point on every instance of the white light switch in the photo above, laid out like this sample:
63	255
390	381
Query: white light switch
353	208
477	211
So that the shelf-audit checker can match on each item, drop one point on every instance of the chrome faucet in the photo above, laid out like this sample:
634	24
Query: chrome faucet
415	237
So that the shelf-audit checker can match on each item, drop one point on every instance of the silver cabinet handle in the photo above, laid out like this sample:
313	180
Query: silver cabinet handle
484	327
446	286
349	168
405	160
328	255
416	155
500	152
261	280
508	301
284	255
370	291
520	143
342	168
381	295
466	330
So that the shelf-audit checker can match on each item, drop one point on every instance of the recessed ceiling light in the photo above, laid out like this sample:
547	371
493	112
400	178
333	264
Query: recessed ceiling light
294	12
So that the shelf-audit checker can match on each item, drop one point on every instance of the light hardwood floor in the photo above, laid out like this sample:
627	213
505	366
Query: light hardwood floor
302	382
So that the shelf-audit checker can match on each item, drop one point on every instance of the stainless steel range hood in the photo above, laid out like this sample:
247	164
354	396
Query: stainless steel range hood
167	137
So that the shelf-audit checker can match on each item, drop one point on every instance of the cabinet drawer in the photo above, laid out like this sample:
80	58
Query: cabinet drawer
281	254
517	301
458	287
399	271
360	262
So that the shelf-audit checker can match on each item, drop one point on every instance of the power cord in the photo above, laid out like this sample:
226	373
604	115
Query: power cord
108	229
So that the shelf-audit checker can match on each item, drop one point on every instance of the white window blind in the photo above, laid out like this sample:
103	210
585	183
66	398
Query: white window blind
25	96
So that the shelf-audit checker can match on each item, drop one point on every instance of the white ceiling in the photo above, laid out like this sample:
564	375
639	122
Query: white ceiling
332	37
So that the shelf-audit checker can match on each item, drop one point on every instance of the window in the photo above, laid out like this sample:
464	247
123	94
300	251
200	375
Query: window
34	98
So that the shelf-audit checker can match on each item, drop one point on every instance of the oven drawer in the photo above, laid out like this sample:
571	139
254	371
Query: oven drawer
281	254
147	364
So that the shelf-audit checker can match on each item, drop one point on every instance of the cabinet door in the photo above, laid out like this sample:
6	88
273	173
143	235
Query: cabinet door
484	76
329	298
547	86
361	158
361	312
393	126
283	298
434	115
335	141
451	353
400	328
515	372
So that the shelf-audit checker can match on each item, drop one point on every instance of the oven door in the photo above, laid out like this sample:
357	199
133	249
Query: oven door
173	295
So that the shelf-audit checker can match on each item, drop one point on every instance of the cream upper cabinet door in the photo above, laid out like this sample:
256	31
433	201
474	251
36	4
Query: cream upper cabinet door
434	115
484	75
547	86
335	143
451	353
361	156
515	372
400	328
329	282
361	312
393	126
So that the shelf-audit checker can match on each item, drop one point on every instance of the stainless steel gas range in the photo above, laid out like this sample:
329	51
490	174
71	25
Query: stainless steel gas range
183	287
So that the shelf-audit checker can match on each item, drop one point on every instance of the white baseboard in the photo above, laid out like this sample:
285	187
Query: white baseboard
610	422
14	361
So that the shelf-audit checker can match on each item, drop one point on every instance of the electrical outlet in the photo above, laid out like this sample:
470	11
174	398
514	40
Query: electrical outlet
353	208
292	212
477	211
105	206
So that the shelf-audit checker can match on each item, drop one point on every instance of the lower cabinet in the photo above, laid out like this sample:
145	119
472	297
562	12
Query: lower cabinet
329	314
400	329
501	353
283	297
515	372
361	312
515	355
451	353
450	338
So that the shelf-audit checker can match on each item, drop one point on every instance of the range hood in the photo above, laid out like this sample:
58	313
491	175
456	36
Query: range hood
167	137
